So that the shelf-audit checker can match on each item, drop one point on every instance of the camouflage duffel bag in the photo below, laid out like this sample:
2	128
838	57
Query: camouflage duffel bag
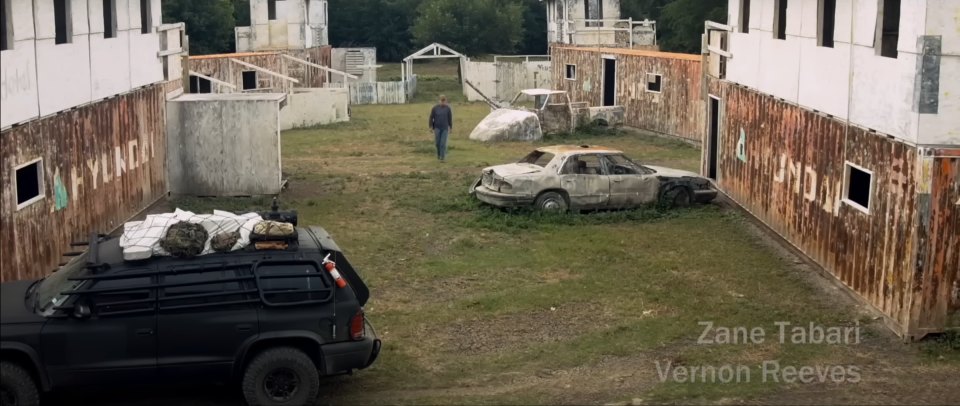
184	239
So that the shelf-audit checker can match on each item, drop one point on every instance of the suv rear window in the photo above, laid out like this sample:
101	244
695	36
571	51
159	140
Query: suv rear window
293	282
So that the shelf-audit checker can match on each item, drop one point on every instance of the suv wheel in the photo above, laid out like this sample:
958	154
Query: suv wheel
281	376
16	386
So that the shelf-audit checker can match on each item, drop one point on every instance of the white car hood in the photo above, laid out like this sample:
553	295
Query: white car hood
514	169
673	173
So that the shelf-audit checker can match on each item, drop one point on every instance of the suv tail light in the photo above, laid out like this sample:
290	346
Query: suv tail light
356	326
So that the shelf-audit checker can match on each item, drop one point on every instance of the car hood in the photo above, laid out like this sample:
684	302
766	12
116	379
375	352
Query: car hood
13	309
673	173
514	169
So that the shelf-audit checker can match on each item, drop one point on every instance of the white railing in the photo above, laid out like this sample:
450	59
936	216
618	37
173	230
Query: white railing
526	58
577	26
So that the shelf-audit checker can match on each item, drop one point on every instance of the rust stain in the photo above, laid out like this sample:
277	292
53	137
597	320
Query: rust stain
677	110
220	67
902	257
102	163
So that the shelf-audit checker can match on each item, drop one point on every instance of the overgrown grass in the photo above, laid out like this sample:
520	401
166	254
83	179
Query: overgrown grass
474	302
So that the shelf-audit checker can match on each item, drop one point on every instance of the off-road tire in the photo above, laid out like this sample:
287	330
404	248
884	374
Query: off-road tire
551	201
677	196
281	360
17	386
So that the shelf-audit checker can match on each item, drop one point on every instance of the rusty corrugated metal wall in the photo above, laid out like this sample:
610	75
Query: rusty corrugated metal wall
938	216
677	110
786	166
102	164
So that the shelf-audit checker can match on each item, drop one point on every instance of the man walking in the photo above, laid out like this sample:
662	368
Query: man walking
441	122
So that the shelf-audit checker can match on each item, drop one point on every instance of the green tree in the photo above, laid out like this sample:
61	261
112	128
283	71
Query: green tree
209	23
471	27
241	13
384	24
534	28
679	22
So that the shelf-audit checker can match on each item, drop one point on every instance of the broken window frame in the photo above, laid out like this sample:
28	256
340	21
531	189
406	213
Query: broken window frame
571	72
41	187
887	38
63	30
146	16
826	23
271	10
6	25
744	23
109	18
781	10
658	80
847	167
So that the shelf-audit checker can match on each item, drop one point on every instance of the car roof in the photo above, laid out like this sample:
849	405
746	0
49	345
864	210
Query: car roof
578	149
541	92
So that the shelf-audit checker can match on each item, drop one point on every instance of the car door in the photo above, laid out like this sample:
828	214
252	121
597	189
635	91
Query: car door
206	314
585	180
116	344
630	185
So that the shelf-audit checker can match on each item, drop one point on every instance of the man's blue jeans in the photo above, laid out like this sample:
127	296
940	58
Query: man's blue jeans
440	137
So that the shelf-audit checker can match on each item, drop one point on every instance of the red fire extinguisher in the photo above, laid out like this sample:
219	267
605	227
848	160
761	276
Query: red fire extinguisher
331	267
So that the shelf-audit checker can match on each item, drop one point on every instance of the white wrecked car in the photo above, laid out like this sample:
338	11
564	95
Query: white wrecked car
535	112
586	177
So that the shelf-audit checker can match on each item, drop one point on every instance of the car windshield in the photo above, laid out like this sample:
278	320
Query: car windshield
48	293
623	164
538	158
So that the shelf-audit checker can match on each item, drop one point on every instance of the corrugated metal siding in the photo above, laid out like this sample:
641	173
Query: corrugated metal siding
677	110
939	229
902	257
102	164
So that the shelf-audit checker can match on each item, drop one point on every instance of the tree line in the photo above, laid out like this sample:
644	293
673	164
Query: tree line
473	27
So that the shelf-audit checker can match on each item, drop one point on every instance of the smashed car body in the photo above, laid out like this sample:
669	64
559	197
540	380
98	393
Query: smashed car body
586	177
552	110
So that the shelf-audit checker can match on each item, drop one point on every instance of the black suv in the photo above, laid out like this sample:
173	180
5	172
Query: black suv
273	321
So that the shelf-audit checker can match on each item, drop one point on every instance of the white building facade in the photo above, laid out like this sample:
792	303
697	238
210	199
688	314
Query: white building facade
887	65
59	54
284	24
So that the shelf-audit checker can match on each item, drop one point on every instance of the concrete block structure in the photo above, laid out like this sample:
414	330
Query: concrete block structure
284	24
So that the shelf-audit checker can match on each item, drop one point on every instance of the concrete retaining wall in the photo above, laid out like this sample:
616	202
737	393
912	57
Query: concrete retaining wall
315	106
224	144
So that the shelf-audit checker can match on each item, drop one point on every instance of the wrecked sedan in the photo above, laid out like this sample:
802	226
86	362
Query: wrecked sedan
586	177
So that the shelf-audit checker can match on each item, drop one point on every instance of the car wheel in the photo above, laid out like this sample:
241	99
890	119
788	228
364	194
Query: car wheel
281	376
551	201
17	387
677	196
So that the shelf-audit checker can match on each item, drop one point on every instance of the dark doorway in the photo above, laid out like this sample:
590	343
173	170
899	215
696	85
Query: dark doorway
609	82
714	138
249	79
199	85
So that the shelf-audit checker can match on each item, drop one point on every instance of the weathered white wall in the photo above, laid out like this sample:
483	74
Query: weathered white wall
224	144
502	80
63	71
338	61
562	16
18	70
107	77
851	80
40	77
307	107
299	24
943	19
